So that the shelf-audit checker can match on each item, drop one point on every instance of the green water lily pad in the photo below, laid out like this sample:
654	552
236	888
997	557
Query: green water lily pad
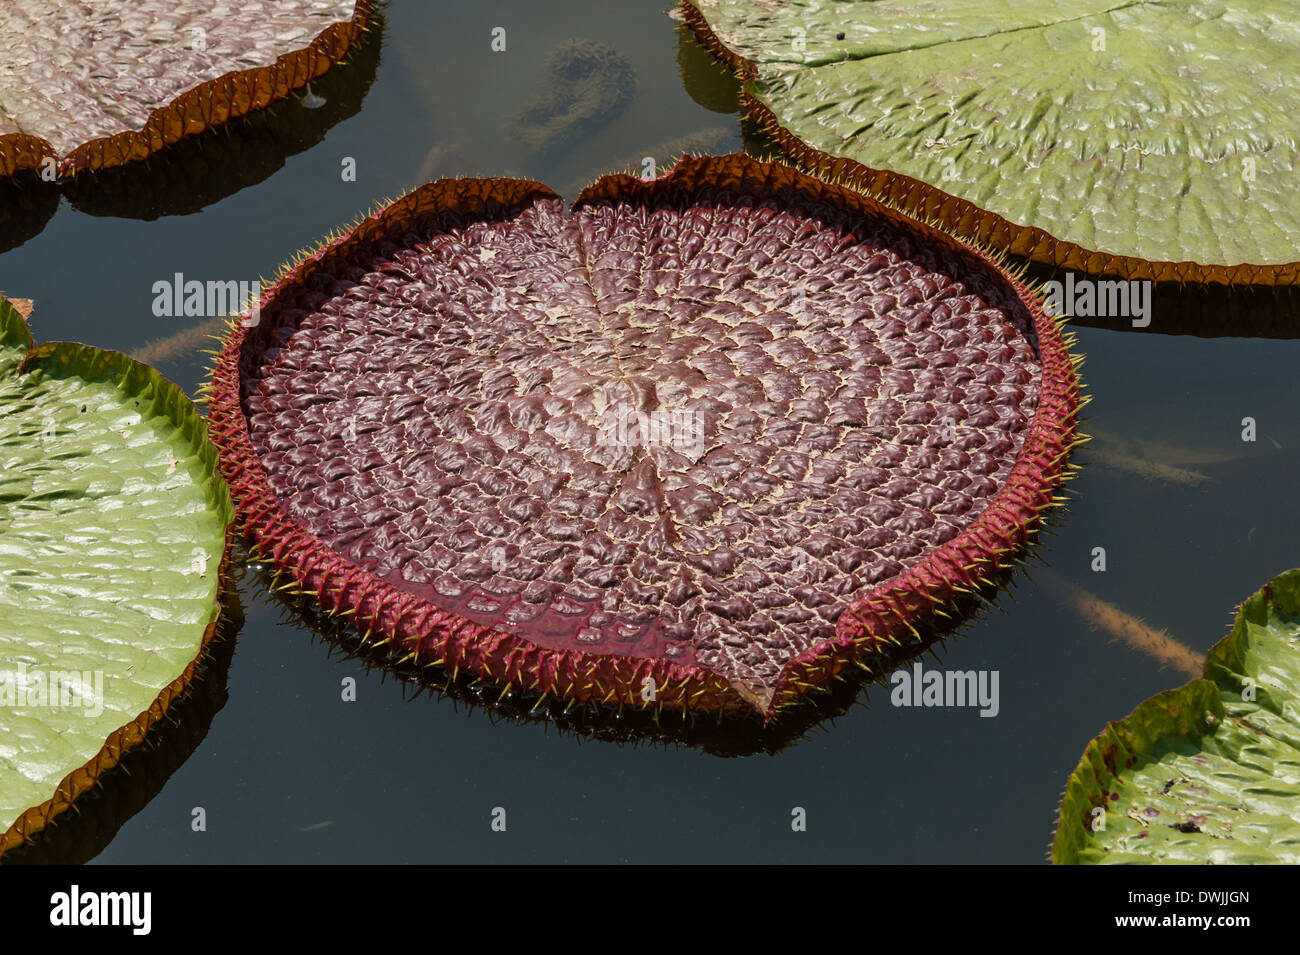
113	532
1210	772
1152	139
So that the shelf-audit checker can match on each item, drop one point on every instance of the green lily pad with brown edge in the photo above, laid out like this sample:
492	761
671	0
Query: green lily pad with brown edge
113	533
1208	773
701	442
93	87
1148	140
77	836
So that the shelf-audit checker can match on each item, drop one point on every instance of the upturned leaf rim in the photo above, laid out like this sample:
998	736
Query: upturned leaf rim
878	624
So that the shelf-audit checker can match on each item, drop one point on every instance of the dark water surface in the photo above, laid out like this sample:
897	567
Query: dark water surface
290	773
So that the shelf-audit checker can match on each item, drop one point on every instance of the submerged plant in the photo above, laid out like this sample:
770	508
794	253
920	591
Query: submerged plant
585	84
701	442
113	533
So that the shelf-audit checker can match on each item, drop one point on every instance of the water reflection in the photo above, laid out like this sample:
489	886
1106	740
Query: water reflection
707	81
1206	311
728	734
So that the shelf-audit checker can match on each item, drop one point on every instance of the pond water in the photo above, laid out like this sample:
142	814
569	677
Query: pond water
289	772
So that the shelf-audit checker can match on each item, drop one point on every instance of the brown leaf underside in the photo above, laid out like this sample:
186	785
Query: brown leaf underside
691	428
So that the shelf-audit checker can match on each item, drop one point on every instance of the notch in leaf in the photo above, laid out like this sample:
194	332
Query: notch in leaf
701	442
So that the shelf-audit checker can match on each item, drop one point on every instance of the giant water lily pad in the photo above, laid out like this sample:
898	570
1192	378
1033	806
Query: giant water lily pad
702	441
1154	140
113	529
97	85
202	169
1210	772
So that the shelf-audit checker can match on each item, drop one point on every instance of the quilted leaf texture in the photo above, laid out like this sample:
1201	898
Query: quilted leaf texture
113	531
1152	140
1207	773
702	441
97	85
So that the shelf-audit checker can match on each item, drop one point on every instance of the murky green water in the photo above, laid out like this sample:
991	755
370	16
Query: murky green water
288	772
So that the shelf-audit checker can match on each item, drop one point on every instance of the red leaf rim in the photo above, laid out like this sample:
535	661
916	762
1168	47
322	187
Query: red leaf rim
874	625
